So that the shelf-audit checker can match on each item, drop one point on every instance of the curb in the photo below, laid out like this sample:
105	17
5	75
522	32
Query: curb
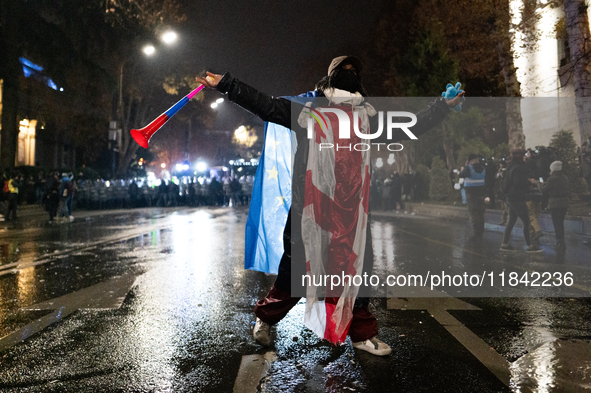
573	225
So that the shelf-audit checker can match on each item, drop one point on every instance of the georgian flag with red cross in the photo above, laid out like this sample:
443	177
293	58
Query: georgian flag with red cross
335	215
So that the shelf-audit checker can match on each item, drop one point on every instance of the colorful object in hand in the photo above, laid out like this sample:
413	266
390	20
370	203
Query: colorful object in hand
452	91
143	135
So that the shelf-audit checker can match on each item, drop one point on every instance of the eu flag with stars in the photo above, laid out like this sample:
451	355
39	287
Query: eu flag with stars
271	197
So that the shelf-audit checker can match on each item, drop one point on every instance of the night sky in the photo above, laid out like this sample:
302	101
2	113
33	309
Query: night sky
279	47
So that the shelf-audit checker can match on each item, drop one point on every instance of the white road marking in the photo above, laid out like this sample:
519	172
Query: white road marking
438	306
105	295
253	369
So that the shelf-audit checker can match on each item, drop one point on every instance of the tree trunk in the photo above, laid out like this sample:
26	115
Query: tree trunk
512	86
447	146
577	28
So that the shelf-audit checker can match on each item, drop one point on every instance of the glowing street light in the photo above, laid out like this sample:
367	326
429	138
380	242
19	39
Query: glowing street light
149	50
163	165
201	166
169	37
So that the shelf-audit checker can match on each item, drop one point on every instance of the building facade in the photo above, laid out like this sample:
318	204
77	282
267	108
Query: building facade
542	59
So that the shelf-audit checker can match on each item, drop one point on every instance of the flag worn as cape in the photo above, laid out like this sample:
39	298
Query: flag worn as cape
271	197
334	221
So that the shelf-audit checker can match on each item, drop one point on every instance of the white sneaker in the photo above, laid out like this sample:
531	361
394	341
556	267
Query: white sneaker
373	346
71	218
261	333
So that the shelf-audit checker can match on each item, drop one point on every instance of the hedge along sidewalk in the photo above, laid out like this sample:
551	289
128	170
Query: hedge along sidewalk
573	225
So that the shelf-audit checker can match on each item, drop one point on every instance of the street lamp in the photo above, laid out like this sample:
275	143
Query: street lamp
169	37
116	129
149	50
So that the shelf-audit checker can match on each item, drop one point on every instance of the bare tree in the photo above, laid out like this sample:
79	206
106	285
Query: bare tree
577	29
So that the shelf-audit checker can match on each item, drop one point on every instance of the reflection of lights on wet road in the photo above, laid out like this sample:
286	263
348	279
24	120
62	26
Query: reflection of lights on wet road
183	283
27	285
537	368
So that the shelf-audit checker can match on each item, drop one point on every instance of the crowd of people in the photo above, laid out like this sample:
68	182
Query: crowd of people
526	183
480	183
389	194
59	193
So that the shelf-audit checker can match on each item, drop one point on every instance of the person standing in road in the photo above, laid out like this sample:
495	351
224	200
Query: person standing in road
14	182
474	174
534	197
489	181
515	186
342	81
498	181
52	188
64	192
387	194
70	201
397	192
134	192
558	190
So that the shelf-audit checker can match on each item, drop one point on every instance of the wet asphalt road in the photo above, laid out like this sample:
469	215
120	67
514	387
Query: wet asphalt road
158	301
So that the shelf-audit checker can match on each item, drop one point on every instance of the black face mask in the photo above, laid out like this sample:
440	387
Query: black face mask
347	80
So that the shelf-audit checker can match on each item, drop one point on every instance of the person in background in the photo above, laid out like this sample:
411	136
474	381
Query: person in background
397	192
162	194
489	181
499	179
70	201
14	182
387	194
40	188
64	194
134	192
534	196
515	186
558	190
462	189
474	175
52	188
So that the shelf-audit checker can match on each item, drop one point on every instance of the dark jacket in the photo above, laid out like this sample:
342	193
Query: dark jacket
466	173
558	189
516	186
279	111
534	194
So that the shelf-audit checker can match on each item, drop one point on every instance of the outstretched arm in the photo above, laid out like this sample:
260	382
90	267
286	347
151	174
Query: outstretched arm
275	110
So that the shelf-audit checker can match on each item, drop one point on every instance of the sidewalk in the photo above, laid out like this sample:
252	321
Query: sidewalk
573	225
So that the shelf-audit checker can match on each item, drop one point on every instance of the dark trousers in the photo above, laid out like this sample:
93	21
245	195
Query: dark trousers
517	209
51	205
278	301
558	215
12	203
476	208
